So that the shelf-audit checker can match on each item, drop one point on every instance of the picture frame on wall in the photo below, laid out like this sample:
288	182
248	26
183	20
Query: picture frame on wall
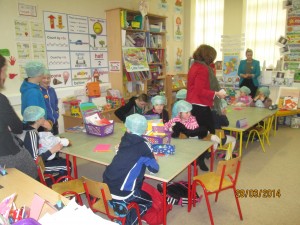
27	10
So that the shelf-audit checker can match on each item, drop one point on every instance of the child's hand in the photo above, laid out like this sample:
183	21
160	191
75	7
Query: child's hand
47	124
56	148
155	156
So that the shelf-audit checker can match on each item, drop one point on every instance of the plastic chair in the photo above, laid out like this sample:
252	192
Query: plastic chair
215	182
71	188
262	132
98	195
228	147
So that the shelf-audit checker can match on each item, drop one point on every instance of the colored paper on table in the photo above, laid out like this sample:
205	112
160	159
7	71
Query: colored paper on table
102	148
36	206
237	108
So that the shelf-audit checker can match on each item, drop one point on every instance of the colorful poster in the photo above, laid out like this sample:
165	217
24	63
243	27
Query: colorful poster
163	5
80	60
37	30
79	42
178	28
22	70
22	30
58	60
97	26
178	62
135	59
57	41
39	51
99	59
178	6
114	66
60	78
55	22
78	24
98	43
230	64
101	74
24	50
80	76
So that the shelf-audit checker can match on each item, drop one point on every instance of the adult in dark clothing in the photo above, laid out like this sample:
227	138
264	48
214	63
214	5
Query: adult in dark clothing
134	105
12	155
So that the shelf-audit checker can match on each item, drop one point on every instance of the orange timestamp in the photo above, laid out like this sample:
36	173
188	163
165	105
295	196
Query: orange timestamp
258	193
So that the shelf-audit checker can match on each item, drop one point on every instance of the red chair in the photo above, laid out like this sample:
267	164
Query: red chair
98	195
221	180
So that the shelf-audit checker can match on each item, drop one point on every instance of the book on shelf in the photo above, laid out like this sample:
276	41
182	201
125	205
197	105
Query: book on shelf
135	39
155	71
136	76
153	41
155	55
123	18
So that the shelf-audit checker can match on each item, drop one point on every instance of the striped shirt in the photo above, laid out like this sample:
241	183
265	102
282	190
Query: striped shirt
190	123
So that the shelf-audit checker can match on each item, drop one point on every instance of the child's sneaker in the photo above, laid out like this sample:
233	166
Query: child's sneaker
119	208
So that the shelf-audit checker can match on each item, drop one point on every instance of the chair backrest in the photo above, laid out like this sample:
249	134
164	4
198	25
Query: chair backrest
229	167
220	133
41	169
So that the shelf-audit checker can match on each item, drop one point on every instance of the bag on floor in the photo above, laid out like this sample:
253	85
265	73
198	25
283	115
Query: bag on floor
154	215
177	193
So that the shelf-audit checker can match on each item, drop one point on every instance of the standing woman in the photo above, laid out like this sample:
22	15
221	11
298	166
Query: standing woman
12	154
203	91
249	71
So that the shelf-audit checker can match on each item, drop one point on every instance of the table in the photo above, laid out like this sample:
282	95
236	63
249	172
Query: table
25	187
253	114
281	113
187	151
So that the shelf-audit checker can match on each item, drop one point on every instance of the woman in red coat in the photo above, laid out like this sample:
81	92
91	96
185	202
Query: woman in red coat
203	91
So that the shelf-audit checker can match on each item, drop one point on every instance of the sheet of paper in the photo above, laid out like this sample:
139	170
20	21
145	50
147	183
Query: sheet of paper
102	148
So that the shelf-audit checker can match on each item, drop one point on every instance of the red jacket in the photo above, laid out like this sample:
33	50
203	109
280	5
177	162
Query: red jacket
198	88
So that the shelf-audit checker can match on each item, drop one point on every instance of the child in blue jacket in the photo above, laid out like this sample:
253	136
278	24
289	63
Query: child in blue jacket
51	101
124	176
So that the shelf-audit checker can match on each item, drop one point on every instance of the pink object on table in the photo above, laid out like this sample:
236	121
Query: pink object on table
102	148
238	108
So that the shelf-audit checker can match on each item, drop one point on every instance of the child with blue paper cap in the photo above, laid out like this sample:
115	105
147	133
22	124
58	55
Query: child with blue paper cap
33	117
124	176
187	124
180	95
262	99
159	103
51	100
245	98
31	94
222	121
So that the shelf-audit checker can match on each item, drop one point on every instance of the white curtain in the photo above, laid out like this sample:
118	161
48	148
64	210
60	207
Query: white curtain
208	26
265	23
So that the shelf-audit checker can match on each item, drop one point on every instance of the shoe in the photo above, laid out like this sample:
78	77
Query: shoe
202	166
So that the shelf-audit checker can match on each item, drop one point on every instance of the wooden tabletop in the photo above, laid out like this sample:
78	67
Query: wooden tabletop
187	150
25	187
253	114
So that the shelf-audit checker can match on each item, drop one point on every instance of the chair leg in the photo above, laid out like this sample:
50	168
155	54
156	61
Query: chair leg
194	185
238	204
208	208
261	143
217	195
249	138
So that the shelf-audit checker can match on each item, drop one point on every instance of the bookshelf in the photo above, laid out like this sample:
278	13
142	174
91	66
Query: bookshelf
126	29
174	83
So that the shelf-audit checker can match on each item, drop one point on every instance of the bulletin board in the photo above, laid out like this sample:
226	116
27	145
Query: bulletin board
76	48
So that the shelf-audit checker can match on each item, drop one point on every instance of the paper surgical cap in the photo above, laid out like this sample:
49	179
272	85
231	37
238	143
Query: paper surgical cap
158	100
46	72
136	123
246	90
265	91
33	113
181	94
34	69
184	106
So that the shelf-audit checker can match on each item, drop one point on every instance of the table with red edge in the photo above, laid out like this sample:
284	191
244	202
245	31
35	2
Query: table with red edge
186	153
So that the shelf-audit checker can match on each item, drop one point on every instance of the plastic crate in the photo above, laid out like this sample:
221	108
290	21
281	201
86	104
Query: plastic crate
100	131
159	139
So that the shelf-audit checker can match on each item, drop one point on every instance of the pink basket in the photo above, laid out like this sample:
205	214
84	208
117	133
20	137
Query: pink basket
100	131
165	139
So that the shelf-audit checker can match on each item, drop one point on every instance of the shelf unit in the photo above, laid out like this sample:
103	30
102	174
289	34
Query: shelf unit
174	87
114	32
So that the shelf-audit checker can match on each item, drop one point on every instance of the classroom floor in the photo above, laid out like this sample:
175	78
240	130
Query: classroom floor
278	168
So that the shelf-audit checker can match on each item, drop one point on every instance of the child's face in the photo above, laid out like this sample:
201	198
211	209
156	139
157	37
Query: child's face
45	82
185	115
261	95
41	121
141	104
242	94
158	108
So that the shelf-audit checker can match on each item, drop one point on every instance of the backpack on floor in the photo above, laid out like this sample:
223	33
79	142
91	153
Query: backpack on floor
177	193
154	215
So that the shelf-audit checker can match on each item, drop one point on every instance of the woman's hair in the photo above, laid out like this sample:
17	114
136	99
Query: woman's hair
143	98
248	50
205	53
2	62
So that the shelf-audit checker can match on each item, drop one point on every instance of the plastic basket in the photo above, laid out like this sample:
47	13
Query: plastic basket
158	129
160	139
100	131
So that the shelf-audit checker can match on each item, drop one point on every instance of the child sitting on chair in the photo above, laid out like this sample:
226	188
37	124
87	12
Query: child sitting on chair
159	103
180	95
245	98
222	121
186	124
125	175
262	99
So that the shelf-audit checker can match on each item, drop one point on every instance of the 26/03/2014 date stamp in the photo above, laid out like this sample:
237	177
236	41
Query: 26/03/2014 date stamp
258	193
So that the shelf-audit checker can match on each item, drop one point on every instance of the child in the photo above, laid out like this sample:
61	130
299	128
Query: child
180	95
222	121
124	176
51	101
33	117
158	103
187	124
244	99
262	99
134	105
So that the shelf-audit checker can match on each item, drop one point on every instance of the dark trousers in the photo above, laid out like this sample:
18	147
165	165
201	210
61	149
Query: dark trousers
249	84
143	199
204	117
54	130
199	132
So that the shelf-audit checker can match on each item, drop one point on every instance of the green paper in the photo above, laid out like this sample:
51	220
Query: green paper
4	52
